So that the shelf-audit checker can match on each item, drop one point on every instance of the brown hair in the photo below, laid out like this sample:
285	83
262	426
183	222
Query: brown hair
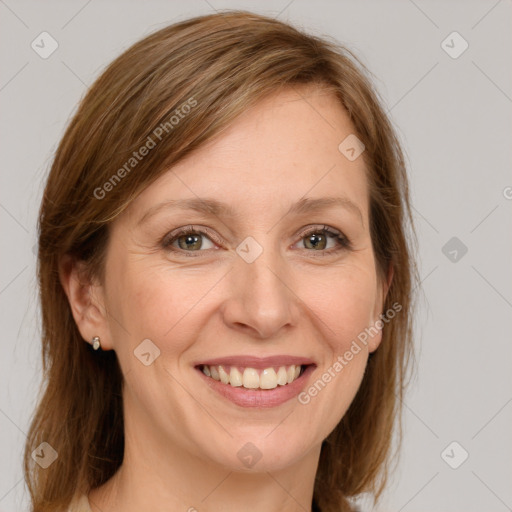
221	64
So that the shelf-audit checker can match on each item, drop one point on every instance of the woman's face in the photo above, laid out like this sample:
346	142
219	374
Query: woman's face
277	263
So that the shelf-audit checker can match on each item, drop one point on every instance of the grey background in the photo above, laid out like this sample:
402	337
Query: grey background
454	118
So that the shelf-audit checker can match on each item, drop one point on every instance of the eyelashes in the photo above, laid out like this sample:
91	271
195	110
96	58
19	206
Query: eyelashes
326	232
191	233
189	241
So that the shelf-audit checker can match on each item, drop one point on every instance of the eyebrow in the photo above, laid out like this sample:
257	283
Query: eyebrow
216	208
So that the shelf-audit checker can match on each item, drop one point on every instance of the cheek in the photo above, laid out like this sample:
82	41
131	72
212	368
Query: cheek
345	303
345	309
158	302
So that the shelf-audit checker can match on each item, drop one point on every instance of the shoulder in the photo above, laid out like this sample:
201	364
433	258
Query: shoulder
80	503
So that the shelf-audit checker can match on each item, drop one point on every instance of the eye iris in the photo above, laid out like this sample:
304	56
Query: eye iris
188	242
315	241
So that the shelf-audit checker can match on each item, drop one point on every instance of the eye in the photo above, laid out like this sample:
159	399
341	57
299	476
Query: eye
324	239
189	239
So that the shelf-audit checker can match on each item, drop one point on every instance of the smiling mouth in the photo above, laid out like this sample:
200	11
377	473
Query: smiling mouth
253	378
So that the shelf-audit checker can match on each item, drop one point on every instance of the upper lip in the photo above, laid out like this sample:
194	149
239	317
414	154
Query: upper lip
257	362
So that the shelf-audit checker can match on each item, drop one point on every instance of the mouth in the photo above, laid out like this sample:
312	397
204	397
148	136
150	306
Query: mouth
257	382
254	378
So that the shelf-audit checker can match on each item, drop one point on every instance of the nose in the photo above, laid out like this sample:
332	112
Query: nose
260	302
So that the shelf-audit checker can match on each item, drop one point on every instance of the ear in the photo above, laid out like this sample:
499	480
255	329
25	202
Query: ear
383	288
86	300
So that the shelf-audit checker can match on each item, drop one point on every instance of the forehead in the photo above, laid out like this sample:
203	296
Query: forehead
281	150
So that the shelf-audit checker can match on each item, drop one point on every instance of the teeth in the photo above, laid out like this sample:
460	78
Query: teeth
214	372
224	377
282	377
268	379
235	377
250	378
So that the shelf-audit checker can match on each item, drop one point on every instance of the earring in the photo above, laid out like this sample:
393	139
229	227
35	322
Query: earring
96	343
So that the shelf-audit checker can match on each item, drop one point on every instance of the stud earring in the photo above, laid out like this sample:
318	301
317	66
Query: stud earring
96	343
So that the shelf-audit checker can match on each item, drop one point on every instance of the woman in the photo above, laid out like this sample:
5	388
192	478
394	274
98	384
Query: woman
225	280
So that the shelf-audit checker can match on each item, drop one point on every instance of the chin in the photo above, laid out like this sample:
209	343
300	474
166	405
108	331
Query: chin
261	452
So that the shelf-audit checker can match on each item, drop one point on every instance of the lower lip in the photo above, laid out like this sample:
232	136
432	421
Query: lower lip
262	398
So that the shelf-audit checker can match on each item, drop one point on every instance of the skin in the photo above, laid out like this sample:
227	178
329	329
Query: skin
182	438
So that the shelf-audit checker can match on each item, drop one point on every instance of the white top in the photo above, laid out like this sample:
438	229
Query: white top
80	504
